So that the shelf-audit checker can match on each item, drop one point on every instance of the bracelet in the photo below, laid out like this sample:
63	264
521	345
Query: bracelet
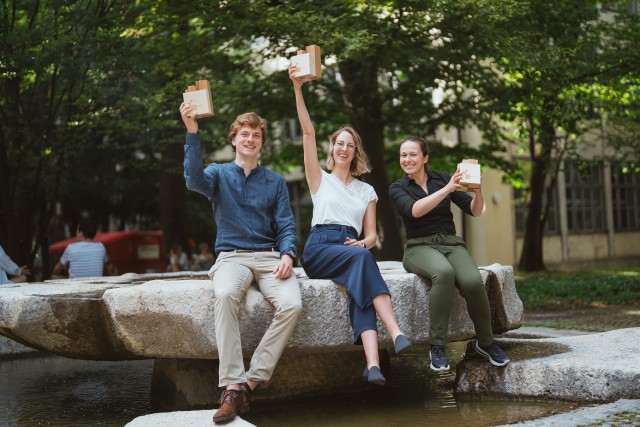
364	245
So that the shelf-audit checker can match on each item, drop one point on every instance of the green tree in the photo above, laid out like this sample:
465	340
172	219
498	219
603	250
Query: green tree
57	61
565	70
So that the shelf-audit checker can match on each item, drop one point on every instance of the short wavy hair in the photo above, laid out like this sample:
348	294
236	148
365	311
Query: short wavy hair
360	163
250	119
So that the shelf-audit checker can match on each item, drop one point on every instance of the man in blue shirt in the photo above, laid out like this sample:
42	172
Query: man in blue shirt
10	272
256	241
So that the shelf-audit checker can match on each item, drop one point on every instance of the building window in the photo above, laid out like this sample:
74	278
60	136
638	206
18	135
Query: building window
625	188
551	226
630	6
585	197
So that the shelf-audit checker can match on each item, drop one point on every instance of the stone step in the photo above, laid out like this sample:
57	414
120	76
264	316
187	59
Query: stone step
599	367
183	419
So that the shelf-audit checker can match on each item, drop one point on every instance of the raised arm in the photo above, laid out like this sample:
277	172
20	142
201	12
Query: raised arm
426	204
478	201
312	169
196	178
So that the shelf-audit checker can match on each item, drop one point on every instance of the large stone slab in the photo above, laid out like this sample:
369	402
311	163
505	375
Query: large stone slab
183	419
171	315
600	367
10	348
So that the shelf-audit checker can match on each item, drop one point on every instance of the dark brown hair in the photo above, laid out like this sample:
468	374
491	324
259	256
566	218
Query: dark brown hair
424	147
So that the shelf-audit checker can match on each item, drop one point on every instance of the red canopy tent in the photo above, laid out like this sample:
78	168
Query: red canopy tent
128	251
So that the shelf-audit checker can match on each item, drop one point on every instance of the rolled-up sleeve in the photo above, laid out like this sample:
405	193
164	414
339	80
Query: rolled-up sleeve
463	201
196	178
286	238
8	265
402	200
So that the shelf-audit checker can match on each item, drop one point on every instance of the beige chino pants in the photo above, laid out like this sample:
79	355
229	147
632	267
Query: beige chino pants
232	275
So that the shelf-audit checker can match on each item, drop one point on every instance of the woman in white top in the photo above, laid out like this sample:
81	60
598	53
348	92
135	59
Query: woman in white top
342	207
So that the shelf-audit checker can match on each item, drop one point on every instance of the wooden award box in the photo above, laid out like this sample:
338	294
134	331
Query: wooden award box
308	62
470	175
199	96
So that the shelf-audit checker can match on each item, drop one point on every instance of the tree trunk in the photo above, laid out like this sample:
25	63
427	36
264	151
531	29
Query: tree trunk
532	258
361	93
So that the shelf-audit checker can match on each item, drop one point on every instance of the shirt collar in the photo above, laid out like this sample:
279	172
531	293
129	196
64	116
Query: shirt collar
235	167
408	180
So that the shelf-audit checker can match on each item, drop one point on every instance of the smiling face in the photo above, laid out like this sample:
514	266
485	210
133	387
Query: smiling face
412	159
247	142
343	150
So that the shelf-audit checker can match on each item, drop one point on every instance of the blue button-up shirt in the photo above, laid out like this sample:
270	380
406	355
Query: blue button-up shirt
251	212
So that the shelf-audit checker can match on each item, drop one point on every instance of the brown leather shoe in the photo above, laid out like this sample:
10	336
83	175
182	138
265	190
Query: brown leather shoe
232	403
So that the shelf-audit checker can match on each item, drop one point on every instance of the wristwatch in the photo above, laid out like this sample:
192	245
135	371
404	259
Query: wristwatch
291	254
364	245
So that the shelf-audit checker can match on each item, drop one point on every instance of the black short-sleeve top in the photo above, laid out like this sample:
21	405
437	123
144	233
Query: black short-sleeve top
405	192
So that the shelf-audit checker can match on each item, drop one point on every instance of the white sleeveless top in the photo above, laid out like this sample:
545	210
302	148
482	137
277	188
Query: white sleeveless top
336	203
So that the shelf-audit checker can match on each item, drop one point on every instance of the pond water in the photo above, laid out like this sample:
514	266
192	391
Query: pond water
55	391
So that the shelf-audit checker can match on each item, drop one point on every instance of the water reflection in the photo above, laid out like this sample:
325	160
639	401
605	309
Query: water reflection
418	396
56	391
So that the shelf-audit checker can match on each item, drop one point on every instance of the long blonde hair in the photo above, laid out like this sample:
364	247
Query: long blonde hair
360	163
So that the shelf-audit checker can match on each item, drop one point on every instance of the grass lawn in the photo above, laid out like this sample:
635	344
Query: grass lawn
569	290
597	300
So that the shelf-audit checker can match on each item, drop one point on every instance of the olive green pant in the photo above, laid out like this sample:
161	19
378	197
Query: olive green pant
445	261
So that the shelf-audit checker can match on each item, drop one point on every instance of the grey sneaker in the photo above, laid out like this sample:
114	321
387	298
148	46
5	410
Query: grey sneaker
439	360
496	356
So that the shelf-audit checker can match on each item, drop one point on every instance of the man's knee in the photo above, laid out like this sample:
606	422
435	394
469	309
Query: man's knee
290	307
226	295
294	308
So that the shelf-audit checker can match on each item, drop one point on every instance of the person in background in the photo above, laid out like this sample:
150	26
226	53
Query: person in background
178	260
343	206
10	272
204	259
255	242
85	258
433	251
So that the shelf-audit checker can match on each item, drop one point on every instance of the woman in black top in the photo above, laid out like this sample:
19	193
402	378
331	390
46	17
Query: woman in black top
423	199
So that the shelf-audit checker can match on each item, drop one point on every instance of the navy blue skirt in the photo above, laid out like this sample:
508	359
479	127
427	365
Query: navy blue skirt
325	256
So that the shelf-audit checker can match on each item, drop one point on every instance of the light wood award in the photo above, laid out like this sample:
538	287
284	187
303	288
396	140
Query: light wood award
470	175
308	62
199	96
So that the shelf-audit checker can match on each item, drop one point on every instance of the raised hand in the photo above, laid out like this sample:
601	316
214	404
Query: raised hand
188	117
297	81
